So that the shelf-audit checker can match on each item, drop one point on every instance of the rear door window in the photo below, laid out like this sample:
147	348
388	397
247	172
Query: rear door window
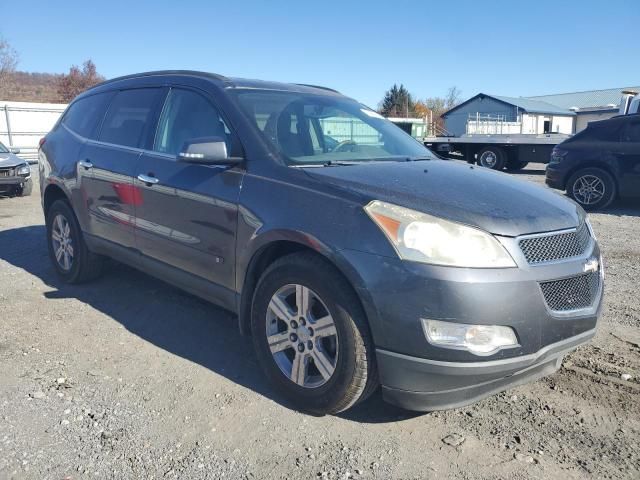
131	117
84	115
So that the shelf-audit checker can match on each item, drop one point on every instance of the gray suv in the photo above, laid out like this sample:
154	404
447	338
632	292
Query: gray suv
353	263
15	173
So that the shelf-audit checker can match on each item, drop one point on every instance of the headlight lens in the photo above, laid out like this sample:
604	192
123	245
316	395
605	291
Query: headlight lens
420	237
477	339
23	170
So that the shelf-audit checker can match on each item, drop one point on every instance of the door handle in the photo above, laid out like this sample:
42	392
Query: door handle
148	179
86	164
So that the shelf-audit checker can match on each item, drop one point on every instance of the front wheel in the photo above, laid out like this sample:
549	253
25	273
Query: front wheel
592	188
311	336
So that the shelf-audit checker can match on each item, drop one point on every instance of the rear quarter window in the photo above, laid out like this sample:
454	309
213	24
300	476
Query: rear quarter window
602	132
85	114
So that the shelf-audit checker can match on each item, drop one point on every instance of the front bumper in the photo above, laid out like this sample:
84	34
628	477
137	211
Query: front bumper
417	375
12	185
556	176
426	385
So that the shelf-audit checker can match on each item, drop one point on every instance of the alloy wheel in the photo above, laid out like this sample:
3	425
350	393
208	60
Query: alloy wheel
302	336
62	242
588	189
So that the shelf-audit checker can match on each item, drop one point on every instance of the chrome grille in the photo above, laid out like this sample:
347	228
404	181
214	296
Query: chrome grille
5	173
571	293
546	248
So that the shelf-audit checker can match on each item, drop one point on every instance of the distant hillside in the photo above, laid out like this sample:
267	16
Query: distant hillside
32	87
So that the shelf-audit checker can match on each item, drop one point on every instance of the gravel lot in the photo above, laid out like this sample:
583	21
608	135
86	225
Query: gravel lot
127	377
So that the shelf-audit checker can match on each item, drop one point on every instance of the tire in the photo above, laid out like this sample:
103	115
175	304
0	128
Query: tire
346	344
515	165
81	265
26	189
492	157
584	184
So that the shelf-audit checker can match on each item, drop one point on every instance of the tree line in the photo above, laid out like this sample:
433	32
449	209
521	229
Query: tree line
398	102
42	87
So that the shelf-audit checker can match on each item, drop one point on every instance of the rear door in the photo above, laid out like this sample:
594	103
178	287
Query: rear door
187	216
66	143
108	164
629	157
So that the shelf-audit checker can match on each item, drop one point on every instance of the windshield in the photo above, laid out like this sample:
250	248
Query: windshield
3	149
315	129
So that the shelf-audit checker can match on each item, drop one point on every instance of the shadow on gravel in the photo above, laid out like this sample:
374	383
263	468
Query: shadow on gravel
165	316
627	207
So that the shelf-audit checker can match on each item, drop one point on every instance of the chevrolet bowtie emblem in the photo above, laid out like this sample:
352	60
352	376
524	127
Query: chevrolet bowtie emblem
591	265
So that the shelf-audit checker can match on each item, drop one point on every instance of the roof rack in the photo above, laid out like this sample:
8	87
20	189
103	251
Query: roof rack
317	86
163	72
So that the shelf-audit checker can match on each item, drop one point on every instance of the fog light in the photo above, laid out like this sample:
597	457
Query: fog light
477	339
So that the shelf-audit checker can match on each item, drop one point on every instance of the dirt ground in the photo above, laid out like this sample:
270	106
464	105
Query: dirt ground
127	377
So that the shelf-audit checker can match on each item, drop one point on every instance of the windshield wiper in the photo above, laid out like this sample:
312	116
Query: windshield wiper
417	159
338	163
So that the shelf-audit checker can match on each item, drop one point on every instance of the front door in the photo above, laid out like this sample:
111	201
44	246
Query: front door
108	164
186	216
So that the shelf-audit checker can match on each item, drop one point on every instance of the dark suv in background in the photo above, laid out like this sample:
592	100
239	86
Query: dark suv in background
352	255
600	163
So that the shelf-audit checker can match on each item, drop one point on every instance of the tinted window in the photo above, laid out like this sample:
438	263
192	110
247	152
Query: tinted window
631	132
85	114
130	117
187	115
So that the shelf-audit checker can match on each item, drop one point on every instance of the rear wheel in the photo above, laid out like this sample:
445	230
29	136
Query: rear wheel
311	335
492	157
592	188
68	251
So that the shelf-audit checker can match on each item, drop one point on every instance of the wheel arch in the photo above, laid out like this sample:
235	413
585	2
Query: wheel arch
53	192
277	245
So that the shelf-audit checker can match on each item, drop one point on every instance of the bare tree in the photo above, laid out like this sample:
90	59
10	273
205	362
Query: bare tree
78	80
435	107
453	97
8	62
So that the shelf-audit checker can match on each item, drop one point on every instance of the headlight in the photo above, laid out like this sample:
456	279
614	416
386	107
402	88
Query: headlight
424	238
24	170
477	339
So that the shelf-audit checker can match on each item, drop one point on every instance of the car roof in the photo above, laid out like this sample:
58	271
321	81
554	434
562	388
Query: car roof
225	82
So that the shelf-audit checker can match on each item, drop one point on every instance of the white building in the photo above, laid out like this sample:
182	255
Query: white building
566	113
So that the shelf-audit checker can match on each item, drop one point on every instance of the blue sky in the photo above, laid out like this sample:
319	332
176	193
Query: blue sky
360	48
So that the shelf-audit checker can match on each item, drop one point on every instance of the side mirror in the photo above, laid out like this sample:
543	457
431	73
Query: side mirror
207	151
14	150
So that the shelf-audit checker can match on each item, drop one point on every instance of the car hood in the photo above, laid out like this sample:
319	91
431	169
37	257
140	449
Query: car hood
10	160
493	201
